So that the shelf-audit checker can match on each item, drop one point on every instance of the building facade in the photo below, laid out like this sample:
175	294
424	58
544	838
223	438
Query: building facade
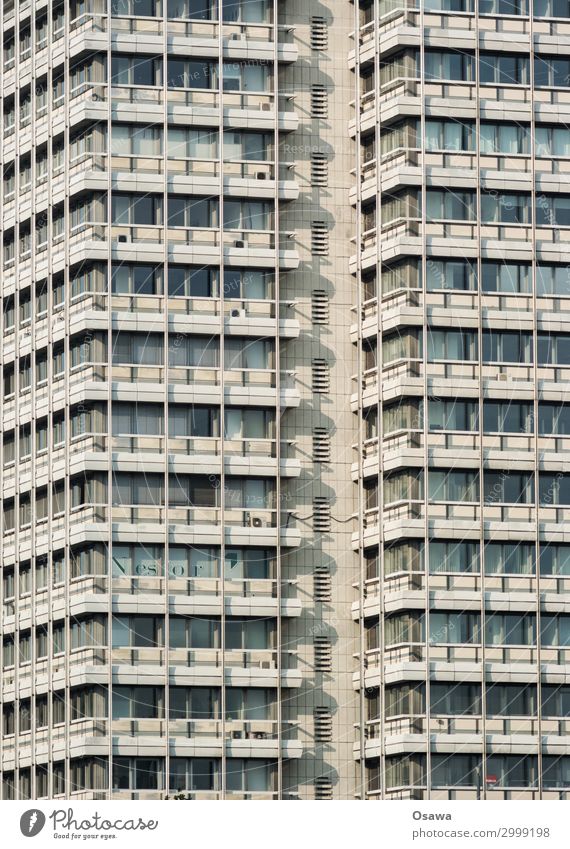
284	357
462	141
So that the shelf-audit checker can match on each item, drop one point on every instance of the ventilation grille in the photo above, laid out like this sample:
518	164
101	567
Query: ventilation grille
323	788
321	514
320	306
321	378
319	101
319	238
319	169
319	33
323	724
322	583
323	654
321	445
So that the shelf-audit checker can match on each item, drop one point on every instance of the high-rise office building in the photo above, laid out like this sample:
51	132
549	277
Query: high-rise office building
463	205
174	275
285	354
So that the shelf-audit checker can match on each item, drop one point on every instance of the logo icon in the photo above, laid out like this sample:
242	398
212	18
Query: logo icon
32	822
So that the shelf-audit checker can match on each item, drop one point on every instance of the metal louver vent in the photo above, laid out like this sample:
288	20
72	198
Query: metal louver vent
321	514
323	724
322	583
319	238
319	306
323	654
321	378
319	101
319	169
319	33
323	788
321	445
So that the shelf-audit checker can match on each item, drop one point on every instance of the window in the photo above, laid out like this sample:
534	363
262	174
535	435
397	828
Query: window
503	69
553	211
137	773
449	135
253	775
136	140
138	419
552	141
247	424
187	143
554	559
247	283
140	210
507	346
192	9
446	204
555	630
553	349
248	146
245	76
454	628
138	349
400	557
554	489
140	8
403	486
453	415
248	215
136	70
188	73
194	774
249	634
192	281
454	770
448	65
555	700
194	632
246	11
89	632
552	280
510	629
405	770
513	770
511	700
188	421
453	556
141	489
248	703
194	351
138	631
551	71
505	209
508	417
401	628
453	485
88	703
406	415
451	274
509	558
504	138
88	774
248	354
403	700
508	487
555	771
132	280
196	211
455	699
195	702
138	702
506	277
